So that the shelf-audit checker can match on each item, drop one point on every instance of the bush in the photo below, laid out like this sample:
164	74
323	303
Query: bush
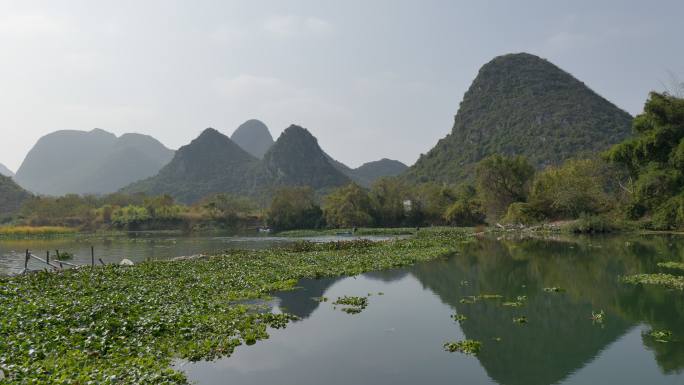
295	208
593	224
520	212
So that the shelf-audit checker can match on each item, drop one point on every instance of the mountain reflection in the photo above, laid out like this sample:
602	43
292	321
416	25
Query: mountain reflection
560	337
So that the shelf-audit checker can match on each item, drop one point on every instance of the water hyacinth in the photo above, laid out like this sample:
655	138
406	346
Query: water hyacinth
662	336
672	265
129	323
665	280
470	347
352	305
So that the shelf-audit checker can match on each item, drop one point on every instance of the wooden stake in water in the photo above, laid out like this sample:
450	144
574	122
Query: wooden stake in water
47	257
92	256
26	260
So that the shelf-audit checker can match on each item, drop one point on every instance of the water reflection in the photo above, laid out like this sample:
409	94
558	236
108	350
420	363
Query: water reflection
398	338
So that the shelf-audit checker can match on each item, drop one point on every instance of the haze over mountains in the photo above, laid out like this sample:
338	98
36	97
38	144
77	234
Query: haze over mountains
520	104
92	162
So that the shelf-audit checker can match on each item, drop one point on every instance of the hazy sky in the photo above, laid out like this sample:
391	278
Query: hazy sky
369	78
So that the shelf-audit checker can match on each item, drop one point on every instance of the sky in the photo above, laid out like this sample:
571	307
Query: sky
369	78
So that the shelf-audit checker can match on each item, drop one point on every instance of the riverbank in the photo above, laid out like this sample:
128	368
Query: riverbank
118	324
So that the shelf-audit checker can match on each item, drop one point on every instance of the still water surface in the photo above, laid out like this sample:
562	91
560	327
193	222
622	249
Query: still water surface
398	339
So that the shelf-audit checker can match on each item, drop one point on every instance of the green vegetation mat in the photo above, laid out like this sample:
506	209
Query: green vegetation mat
125	325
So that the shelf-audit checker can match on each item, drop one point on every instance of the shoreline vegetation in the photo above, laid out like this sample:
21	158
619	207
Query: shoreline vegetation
116	324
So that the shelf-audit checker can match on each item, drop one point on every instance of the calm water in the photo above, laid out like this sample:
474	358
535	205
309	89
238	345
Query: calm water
398	338
135	246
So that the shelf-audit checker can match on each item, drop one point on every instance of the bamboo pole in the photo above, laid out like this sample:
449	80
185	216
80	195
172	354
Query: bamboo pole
44	261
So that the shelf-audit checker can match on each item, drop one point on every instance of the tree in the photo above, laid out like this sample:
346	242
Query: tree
228	208
294	208
501	181
466	210
348	206
655	160
388	196
578	186
430	202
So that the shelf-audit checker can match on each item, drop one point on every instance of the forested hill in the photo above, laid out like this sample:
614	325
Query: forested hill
296	159
212	163
520	104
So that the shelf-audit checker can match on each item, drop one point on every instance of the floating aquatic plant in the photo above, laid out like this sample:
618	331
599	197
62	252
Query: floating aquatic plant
672	265
597	317
520	320
353	305
553	289
490	296
663	336
666	280
470	347
459	317
320	299
112	324
512	304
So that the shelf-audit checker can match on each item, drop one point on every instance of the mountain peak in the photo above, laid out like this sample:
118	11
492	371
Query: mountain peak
254	137
521	104
296	159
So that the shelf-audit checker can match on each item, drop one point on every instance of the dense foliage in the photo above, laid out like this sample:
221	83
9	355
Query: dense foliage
655	160
521	104
348	206
502	181
137	212
295	208
124	325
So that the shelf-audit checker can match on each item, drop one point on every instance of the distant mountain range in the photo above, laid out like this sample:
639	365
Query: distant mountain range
92	162
11	197
520	104
5	171
254	137
369	172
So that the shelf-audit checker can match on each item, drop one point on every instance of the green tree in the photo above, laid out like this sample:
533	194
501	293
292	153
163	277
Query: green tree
227	209
388	196
654	158
348	206
578	186
466	210
294	208
501	181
